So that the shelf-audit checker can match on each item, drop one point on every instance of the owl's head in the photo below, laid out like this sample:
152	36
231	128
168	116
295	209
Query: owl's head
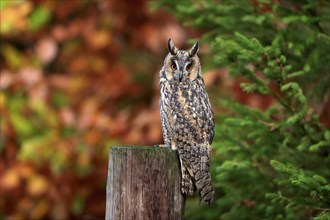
180	65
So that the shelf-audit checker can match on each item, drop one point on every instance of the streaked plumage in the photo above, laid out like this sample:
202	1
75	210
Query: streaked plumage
187	118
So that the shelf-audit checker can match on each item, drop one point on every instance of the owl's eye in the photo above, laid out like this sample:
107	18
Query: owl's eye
189	67
173	66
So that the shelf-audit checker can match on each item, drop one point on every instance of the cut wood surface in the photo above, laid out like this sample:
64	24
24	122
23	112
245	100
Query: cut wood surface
144	183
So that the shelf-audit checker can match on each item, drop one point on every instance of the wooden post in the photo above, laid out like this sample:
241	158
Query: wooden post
144	183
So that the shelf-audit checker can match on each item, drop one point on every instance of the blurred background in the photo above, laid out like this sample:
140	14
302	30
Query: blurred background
79	76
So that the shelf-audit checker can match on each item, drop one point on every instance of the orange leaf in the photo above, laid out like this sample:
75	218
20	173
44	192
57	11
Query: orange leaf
37	185
9	180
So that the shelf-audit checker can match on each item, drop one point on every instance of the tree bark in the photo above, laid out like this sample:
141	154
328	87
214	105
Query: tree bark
144	183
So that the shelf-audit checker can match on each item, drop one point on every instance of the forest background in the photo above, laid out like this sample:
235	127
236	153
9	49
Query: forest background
79	76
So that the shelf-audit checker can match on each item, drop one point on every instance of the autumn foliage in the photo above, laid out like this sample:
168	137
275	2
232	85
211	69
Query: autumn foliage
76	78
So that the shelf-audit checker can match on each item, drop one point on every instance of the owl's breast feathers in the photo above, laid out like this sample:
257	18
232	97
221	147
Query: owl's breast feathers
188	111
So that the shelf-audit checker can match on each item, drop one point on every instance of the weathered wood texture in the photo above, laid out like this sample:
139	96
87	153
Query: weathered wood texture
144	183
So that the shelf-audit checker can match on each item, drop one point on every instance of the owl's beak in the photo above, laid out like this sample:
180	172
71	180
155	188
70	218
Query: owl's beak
179	76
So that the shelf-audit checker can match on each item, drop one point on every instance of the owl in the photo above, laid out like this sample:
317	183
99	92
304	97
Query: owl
187	118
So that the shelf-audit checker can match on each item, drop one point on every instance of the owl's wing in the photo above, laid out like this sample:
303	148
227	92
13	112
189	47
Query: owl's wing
190	117
205	114
210	122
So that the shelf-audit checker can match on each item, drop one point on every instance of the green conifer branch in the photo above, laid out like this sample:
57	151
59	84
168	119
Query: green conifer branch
248	139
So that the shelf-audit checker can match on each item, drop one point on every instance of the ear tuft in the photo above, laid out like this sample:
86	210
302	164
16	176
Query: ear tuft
171	47
193	51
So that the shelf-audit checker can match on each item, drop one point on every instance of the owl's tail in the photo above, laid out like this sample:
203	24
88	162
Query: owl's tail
197	162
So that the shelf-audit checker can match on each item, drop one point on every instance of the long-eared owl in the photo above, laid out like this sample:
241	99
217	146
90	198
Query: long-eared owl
187	118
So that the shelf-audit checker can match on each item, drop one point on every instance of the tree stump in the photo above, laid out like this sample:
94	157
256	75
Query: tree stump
144	183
